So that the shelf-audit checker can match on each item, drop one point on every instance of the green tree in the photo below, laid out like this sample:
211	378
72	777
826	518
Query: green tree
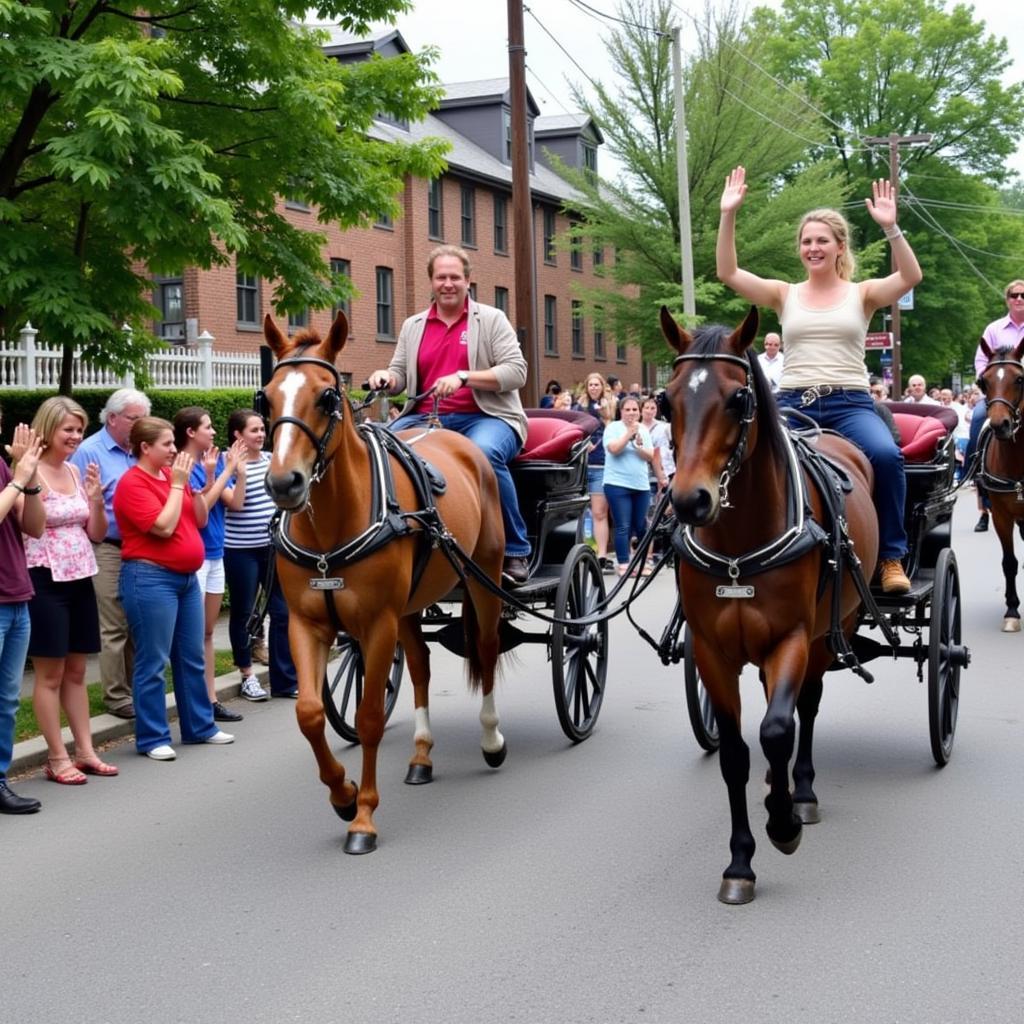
140	140
735	114
912	67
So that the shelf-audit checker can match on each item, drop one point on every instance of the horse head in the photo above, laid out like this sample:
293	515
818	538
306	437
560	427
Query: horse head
712	401
303	402
1002	384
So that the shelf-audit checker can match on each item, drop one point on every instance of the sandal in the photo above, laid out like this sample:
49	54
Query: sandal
69	776
94	766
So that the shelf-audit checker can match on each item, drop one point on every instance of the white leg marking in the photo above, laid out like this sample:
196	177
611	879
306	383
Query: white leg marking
492	740
423	732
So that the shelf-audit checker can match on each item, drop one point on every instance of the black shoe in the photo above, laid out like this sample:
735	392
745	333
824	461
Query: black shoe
127	712
223	714
516	569
11	803
982	524
607	565
290	694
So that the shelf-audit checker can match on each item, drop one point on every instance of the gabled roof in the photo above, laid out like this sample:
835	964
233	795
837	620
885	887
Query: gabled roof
482	92
346	44
557	125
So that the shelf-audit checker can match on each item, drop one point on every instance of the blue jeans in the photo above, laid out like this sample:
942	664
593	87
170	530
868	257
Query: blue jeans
14	634
852	414
629	514
501	444
244	570
165	615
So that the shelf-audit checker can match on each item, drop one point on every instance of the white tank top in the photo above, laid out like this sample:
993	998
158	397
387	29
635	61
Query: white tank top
824	346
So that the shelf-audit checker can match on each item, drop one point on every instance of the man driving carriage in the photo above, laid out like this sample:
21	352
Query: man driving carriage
467	353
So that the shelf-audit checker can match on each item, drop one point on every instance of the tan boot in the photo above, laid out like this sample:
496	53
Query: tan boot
894	579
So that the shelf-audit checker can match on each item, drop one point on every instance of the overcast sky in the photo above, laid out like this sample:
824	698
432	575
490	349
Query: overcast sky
471	37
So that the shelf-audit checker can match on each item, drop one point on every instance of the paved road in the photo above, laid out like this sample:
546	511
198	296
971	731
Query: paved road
573	885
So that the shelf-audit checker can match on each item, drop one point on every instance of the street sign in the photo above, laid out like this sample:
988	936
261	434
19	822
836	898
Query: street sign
906	302
878	339
885	358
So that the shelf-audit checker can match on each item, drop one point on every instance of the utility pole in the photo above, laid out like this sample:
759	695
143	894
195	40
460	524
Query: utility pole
522	206
683	182
894	140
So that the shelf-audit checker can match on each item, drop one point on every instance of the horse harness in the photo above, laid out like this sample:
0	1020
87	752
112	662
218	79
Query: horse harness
991	482
802	532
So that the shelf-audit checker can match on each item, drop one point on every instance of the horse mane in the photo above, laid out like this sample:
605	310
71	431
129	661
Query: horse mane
711	339
306	338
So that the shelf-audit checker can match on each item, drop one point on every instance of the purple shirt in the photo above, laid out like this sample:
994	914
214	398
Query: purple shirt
998	334
15	585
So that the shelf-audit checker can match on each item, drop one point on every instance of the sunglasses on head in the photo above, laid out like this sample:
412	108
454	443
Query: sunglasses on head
1015	295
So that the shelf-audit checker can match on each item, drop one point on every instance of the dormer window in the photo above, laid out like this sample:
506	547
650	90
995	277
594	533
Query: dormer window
588	153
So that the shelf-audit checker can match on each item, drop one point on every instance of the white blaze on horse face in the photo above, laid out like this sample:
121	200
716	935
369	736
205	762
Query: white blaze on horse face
697	380
999	373
289	390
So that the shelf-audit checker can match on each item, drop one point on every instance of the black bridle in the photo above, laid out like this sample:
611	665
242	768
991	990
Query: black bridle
748	398
329	401
1015	409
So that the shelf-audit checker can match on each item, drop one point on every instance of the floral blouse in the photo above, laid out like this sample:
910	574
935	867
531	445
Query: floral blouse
64	547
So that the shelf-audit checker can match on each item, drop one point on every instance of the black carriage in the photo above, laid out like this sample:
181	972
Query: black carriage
929	615
566	580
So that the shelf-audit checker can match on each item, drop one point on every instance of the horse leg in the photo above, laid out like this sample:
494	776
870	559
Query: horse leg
805	802
481	613
378	655
1004	530
310	657
417	657
734	762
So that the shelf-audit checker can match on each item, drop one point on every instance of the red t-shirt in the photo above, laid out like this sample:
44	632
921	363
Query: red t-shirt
444	350
15	585
138	501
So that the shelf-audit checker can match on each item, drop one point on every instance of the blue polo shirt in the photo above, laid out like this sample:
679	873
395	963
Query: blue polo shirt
113	461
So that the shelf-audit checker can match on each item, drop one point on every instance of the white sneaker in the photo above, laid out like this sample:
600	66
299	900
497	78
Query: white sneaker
251	689
220	737
162	753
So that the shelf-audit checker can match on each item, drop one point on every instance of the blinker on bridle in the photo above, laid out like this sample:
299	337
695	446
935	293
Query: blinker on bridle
748	398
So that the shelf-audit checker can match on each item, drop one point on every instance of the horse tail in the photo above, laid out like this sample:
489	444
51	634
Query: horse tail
471	626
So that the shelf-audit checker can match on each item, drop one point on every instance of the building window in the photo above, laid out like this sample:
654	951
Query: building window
298	321
385	302
599	352
577	329
549	235
501	299
169	298
620	353
472	291
298	205
435	213
342	268
468	219
500	224
575	252
550	332
384	221
247	299
506	125
598	255
589	155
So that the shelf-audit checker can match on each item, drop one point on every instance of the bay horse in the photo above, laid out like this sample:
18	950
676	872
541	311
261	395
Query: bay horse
1002	460
751	596
322	476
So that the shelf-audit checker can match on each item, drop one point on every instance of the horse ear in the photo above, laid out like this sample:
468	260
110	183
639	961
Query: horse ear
678	337
338	334
1019	350
275	339
984	346
743	337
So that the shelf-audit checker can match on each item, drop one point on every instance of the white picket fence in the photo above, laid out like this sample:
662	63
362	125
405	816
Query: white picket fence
27	363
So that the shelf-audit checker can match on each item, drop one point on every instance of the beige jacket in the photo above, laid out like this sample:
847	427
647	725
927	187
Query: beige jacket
492	346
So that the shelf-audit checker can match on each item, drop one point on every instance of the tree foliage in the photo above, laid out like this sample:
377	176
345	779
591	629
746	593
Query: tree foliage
138	140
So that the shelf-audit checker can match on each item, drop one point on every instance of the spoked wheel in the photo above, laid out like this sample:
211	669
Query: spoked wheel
698	703
579	654
343	686
946	657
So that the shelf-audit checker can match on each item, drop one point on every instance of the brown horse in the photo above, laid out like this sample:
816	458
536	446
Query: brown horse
320	473
1002	467
734	467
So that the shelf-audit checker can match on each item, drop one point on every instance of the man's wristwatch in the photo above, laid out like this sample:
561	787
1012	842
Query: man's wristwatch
463	376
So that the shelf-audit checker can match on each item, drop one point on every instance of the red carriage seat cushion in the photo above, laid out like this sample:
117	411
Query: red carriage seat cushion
549	440
920	436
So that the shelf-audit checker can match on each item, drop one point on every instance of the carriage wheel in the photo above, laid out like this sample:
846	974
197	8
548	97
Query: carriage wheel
698	703
579	654
946	656
343	686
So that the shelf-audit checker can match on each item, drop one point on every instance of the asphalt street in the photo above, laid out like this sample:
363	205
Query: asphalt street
574	884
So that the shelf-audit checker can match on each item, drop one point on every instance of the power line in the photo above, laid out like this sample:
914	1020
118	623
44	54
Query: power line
803	138
540	82
544	29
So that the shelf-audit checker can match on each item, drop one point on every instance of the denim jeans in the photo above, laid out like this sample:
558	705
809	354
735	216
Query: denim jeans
629	514
14	634
852	414
245	569
500	443
165	616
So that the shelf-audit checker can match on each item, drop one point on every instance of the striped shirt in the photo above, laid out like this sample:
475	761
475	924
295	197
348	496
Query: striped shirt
249	526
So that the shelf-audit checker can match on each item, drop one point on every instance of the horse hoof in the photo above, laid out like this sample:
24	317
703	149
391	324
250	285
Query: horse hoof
348	812
495	758
419	775
807	813
736	891
1011	625
360	842
788	846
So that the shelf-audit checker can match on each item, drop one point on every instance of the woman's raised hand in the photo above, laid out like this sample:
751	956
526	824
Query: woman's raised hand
181	468
236	455
210	463
92	483
882	204
25	449
734	191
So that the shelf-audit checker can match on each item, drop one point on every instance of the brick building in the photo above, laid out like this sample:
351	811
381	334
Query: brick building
469	205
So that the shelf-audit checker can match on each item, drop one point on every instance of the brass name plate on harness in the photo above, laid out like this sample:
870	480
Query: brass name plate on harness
734	591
